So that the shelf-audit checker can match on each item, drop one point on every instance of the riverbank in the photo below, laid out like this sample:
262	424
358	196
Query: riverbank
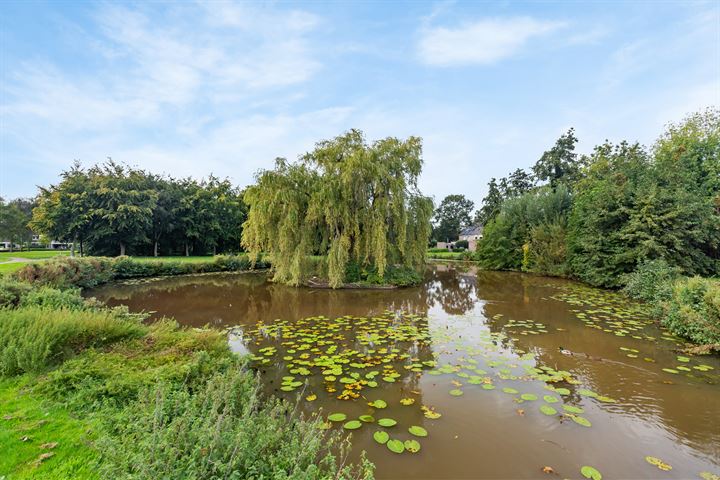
91	392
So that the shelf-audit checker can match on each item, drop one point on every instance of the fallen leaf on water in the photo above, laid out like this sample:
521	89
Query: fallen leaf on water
520	411
547	469
310	398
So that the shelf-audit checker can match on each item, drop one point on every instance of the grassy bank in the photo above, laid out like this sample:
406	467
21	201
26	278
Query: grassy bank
90	392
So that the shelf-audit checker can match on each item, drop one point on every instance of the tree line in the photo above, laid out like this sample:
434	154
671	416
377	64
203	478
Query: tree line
116	209
597	217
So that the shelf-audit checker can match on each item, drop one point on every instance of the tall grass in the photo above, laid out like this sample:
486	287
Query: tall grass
33	338
225	431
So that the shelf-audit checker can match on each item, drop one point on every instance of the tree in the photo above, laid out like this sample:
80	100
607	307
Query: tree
490	204
65	211
353	202
560	164
452	214
518	183
13	223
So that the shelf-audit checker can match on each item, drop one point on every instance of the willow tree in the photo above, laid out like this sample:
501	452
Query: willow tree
347	200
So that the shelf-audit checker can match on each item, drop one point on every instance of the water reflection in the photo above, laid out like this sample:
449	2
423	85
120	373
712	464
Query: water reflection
674	417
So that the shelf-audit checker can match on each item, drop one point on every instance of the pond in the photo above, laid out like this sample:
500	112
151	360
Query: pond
505	374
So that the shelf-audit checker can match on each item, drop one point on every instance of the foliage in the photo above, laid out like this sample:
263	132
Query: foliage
517	183
461	244
223	430
546	252
560	164
501	247
13	223
693	310
92	271
12	291
111	208
450	216
346	199
652	281
33	338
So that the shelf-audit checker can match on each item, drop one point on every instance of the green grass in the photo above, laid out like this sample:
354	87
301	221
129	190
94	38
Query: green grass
191	259
30	425
446	255
33	254
6	268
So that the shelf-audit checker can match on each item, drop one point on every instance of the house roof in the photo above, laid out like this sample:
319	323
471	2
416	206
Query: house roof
471	230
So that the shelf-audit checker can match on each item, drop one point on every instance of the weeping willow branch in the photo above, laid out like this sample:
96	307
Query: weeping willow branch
347	201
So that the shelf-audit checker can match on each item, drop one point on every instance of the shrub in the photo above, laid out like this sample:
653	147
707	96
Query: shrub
462	244
65	272
652	281
33	338
545	252
54	298
224	430
437	250
693	310
12	291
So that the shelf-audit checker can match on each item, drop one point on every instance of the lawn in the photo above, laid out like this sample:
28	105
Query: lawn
445	255
32	254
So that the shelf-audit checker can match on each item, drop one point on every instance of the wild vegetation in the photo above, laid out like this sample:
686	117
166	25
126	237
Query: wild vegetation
600	217
131	400
354	204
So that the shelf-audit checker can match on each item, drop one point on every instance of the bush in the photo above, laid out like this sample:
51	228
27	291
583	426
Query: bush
54	298
545	252
34	338
693	310
224	430
652	281
462	244
12	291
437	250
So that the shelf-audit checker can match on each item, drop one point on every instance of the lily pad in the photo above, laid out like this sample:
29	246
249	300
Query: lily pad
562	391
529	397
456	392
367	418
381	437
510	390
587	393
548	410
488	386
550	399
418	431
573	409
658	463
591	472
387	422
337	417
412	446
352	425
378	404
581	421
395	446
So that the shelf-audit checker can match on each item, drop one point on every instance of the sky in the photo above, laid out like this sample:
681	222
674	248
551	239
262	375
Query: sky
190	88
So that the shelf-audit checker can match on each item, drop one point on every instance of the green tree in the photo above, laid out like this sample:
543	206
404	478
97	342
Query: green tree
560	164
452	214
13	223
65	211
351	201
490	205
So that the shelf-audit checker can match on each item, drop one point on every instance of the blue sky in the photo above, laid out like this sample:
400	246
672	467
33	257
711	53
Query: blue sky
189	88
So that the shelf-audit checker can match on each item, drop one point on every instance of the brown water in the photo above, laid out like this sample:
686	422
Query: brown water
474	330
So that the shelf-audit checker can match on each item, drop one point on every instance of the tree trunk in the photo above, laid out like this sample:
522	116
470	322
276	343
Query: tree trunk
214	250
187	249
122	249
155	253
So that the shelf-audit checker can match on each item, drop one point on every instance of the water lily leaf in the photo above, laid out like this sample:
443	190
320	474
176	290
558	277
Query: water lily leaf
412	446
352	425
548	410
418	431
573	409
311	397
337	417
581	421
683	359
488	386
562	391
456	392
529	397
591	472
550	399
407	401
396	446
658	463
378	404
510	390
381	437
669	370
708	476
587	393
387	422
367	418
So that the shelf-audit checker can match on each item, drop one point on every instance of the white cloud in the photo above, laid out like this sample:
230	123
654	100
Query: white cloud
481	42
